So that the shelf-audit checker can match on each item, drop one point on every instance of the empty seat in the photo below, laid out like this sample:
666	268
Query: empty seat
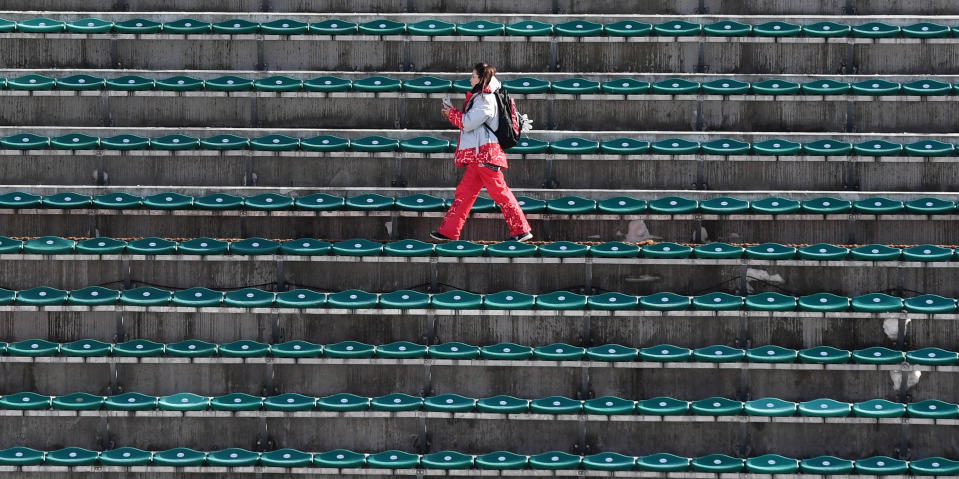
382	27
459	248
663	462
881	466
777	29
717	302
824	355
826	465
561	300
41	296
71	456
345	458
481	28
677	28
727	28
822	252
665	353
456	299
575	86
770	251
574	146
529	145
286	458
20	456
449	403
254	246
726	86
179	83
343	402
377	84
404	299
772	464
349	350
502	405
878	408
877	303
609	461
555	460
826	29
86	25
78	402
446	460
300	298
187	26
718	251
775	87
825	408
932	357
506	351
389	460
431	27
675	86
138	348
529	28
673	204
333	26
718	353
559	352
101	246
667	250
203	246
563	249
769	407
179	457
289	402
612	301
236	402
183	402
876	30
614	249
628	28
357	247
192	348
926	253
609	405
612	352
826	204
197	297
934	466
86	348
49	245
244	348
25	401
233	457
932	409
823	302
716	406
370	201
454	350
662	406
131	402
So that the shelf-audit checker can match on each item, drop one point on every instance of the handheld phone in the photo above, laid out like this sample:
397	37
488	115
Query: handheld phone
447	102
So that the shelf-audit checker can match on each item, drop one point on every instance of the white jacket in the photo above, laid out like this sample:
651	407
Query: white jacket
481	109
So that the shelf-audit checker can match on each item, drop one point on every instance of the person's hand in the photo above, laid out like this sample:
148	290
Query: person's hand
446	112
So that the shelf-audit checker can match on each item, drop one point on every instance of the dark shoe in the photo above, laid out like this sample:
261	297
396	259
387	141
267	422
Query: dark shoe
439	237
521	237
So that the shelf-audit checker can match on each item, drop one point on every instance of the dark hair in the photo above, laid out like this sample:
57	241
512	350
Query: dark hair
485	73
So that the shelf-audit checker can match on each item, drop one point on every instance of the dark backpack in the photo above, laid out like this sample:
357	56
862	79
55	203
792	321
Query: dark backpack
508	130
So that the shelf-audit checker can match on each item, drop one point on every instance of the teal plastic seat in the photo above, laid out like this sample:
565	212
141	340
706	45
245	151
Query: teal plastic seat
502	405
555	460
405	299
824	355
289	402
662	462
191	348
665	302
934	466
400	349
343	458
254	246
574	146
771	354
138	348
320	202
343	402
233	457
717	301
481	28
827	148
197	298
382	27
374	143
881	466
236	27
390	460
511	249
932	409
86	348
579	28
876	303
528	145
575	86
138	26
67	200
275	143
675	86
822	252
726	86
41	296
446	460
49	245
673	205
561	300
19	199
431	27
286	458
31	82
925	30
823	302
559	352
305	247
117	201
930	304
770	251
612	352
877	355
218	201
456	299
20	456
278	83
349	350
932	357
529	28
352	299
131	83
772	464
81	82
826	465
677	28
777	29
228	83
875	87
769	407
25	401
459	249
826	30
717	464
609	461
203	246
7	296
225	142
628	28
183	402
665	353
526	85
130	402
25	141
506	351
7	26
9	245
501	460
377	84
625	86
101	246
420	202
296	349
333	26
78	402
927	87
612	301
621	205
300	298
509	300
878	206
71	456
179	457
718	354
454	350
427	84
168	201
727	28
563	249
624	146
449	403
180	83
716	406
614	249
876	30
75	141
244	348
571	205
927	253
775	87
826	205
83	25
825	408
930	206
284	27
662	406
776	147
425	144
396	402
718	251
770	301
187	26
555	405
33	348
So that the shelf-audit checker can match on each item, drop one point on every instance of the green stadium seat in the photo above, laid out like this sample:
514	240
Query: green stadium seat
377	84
825	87
130	402
876	30
183	402
826	205
724	205
509	300
554	460
726	86
930	206
621	205
236	402
624	146
275	143
75	141
662	462
628	28
425	144
716	406
342	458
296	349
665	353
71	456
932	357
400	349
9	245
284	27
462	85
41	296
41	25
382	27
932	409
386	460
529	145
772	464
575	86
7	296
218	201
823	302
25	401
187	26
138	26
18	199
49	245
343	402
7	26
826	30
563	249
877	206
717	301
459	248
180	83
351	299
665	302
609	405
236	27
927	88
20	456
431	27
427	84
878	408
286	458
326	84
449	403
233	457
191	348
396	402
511	249
86	348
319	202
677	28
502	405
81	82
934	466
876	303
875	87
824	355
718	354
614	249
138	348
289	402
481	28
225	142
446	460
625	86
374	144
228	83
612	352
333	26
278	83
420	202
526	85
574	146
506	351
405	299
131	83
78	402
203	246
777	29
824	408
827	148
25	141
244	348
117	201
254	246
559	352
179	457
67	200
727	28
557	300
769	407
927	253
673	205
168	201
775	87
529	28
300	298
101	246
930	304
717	463
349	350
822	252
579	28
85	25
306	247
770	251
662	406
197	298
826	465
609	461
770	301
771	354
454	350
881	466
456	299
675	86
612	301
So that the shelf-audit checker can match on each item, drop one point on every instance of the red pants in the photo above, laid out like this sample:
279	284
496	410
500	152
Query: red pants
475	178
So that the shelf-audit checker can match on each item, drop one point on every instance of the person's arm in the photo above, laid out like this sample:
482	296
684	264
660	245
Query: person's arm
480	112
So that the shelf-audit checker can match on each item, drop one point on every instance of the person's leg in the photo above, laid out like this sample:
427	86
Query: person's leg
465	196
495	184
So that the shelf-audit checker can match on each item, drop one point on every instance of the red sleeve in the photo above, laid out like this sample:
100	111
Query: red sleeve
455	117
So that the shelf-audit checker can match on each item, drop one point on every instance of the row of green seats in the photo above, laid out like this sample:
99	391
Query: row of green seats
503	460
199	297
395	402
618	205
429	144
193	348
49	245
430	27
523	85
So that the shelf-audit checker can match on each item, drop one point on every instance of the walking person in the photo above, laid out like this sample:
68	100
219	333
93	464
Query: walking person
480	152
